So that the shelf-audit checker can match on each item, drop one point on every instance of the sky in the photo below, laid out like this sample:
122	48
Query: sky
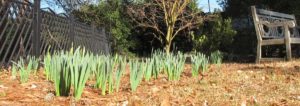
204	5
201	3
54	8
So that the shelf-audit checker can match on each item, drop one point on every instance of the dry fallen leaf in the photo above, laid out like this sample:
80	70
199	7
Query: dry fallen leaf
125	103
135	101
253	100
2	86
165	100
244	101
205	103
154	89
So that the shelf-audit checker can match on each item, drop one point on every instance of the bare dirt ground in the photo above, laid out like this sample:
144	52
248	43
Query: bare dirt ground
275	84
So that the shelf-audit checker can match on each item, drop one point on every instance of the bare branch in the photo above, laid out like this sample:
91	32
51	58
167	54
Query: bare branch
167	17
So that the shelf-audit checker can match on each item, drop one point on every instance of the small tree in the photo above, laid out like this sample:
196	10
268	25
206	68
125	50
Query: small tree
167	17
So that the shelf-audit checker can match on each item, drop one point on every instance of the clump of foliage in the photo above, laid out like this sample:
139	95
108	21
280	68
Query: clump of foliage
25	67
174	65
35	63
48	67
149	68
108	71
205	64
120	71
199	61
72	69
60	75
158	63
14	70
136	73
111	64
216	58
80	70
69	69
100	72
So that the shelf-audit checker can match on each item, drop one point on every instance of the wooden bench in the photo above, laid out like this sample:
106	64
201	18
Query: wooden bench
274	28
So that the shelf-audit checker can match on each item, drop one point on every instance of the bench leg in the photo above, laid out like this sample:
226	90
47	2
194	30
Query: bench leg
288	51
258	53
287	43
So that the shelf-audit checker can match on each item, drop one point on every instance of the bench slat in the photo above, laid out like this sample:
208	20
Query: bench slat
272	42
275	14
272	59
295	40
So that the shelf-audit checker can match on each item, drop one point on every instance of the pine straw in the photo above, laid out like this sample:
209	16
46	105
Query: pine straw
276	83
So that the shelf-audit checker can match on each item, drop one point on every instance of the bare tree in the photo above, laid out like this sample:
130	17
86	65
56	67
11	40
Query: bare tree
167	17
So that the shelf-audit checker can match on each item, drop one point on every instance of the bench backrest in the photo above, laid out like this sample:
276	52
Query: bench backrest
263	31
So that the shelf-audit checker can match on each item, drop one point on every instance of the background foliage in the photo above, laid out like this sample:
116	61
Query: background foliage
215	33
108	14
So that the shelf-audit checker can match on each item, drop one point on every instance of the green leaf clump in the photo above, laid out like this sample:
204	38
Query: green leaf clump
69	69
174	65
199	62
108	72
136	74
149	66
157	63
216	58
25	67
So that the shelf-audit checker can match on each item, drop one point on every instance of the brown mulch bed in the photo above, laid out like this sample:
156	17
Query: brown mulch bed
276	84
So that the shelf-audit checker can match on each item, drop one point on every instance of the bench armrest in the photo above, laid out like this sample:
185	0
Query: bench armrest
277	24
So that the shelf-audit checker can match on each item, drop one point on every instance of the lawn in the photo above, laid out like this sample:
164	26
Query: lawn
275	83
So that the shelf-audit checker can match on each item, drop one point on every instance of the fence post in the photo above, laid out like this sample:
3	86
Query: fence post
36	28
107	40
94	48
72	30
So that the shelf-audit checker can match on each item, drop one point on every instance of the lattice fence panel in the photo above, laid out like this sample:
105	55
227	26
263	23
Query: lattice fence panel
57	32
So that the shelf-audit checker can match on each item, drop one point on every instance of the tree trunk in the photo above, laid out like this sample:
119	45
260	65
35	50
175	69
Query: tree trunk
169	39
167	48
